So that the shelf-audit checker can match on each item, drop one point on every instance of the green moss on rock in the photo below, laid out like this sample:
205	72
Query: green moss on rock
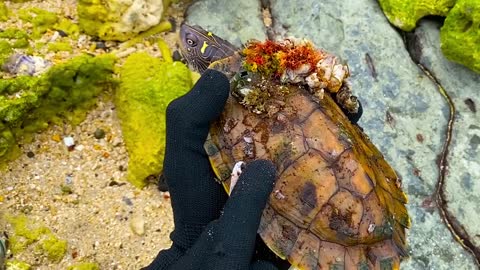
84	266
59	46
42	20
5	51
53	247
4	12
26	233
66	91
460	34
118	20
18	265
67	26
147	86
404	14
12	38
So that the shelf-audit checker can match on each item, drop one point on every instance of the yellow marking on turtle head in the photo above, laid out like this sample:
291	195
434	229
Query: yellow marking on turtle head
204	47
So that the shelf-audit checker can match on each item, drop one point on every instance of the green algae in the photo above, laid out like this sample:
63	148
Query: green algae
53	247
27	233
4	12
404	14
460	35
11	38
59	46
64	93
5	51
84	266
67	26
42	20
18	265
100	19
147	86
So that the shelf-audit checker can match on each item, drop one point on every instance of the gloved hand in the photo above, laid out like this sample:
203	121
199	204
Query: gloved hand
205	237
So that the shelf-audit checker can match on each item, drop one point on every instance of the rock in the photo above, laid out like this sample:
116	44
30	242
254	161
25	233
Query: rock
404	14
118	20
147	86
399	103
464	156
28	104
99	134
460	37
243	22
30	154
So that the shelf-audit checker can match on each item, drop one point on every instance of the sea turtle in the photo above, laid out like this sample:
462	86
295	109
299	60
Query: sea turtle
337	204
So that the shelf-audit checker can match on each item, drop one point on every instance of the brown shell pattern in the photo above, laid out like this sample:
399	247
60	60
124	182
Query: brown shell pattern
337	204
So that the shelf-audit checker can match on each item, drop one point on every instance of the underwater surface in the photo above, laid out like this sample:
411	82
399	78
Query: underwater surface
74	181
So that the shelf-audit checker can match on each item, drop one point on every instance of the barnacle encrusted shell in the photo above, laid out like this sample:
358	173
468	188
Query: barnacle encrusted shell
337	204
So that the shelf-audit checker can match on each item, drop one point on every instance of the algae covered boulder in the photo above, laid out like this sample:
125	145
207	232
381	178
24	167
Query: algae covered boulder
460	34
404	14
147	86
65	92
118	20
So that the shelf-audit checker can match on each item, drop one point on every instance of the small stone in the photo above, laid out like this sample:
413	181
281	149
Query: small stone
127	201
100	45
79	147
117	142
30	154
56	138
69	141
137	224
99	134
62	33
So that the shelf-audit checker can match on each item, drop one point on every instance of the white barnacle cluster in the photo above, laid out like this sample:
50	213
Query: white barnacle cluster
329	73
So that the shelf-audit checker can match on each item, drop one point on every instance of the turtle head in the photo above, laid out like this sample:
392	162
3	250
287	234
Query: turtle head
200	48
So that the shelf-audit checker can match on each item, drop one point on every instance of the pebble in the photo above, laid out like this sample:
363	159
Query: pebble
99	134
62	33
30	154
69	141
117	141
127	201
100	45
137	224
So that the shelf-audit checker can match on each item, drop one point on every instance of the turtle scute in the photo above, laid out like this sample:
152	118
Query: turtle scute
337	204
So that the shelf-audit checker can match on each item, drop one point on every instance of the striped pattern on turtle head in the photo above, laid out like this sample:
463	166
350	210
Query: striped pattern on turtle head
200	48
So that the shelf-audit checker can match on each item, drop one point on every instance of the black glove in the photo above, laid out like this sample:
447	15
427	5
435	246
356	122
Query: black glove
204	237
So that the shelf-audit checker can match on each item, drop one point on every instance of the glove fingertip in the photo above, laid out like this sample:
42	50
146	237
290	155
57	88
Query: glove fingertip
258	176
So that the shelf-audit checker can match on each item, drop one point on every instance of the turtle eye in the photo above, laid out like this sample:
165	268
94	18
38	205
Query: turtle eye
191	40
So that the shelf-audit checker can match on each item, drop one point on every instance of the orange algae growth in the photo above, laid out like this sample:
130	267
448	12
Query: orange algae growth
273	58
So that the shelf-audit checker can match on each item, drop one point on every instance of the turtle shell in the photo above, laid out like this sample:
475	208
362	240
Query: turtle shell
337	204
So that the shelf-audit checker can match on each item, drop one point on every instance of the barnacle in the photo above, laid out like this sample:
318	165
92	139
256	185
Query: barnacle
297	61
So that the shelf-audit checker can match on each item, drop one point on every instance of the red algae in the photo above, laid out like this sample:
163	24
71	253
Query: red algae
273	58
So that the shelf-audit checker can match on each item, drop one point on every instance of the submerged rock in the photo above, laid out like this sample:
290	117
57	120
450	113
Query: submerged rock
460	37
404	14
147	86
